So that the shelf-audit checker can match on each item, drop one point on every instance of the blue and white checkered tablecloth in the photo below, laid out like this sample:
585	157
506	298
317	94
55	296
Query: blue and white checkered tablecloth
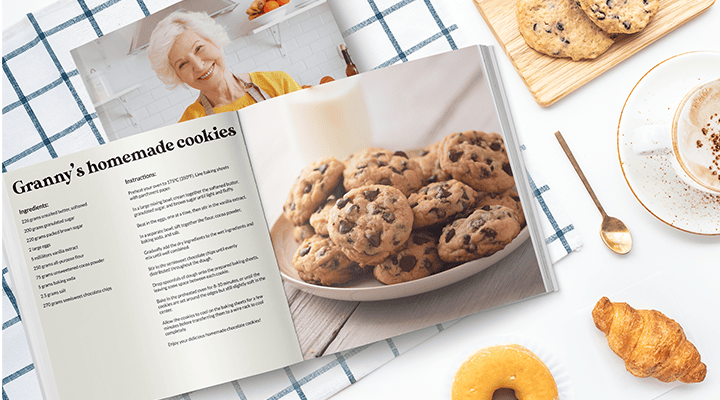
385	32
47	113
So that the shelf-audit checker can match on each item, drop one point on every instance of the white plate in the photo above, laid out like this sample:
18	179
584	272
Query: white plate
369	289
652	179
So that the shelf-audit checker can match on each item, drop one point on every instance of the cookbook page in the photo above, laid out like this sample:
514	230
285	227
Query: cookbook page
393	201
149	261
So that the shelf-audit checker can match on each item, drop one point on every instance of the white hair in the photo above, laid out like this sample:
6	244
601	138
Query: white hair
164	35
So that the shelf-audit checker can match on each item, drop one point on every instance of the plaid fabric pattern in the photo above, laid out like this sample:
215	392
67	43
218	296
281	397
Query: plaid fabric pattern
19	378
385	32
560	234
46	109
47	113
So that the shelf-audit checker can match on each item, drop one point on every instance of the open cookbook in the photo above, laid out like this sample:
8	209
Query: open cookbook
242	242
185	255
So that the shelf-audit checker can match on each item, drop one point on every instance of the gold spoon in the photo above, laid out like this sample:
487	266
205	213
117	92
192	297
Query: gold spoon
612	231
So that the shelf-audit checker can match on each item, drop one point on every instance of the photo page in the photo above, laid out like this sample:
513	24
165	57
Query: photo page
436	138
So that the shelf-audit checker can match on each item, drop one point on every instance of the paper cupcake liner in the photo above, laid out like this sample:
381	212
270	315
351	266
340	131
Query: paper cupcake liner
566	391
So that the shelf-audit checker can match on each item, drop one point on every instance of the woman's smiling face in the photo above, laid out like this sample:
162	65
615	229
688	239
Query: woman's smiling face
197	61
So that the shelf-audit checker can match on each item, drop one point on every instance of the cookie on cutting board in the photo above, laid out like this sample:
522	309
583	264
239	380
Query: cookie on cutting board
620	16
560	28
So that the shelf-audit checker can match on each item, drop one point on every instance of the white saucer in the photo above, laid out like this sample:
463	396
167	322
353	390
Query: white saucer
652	179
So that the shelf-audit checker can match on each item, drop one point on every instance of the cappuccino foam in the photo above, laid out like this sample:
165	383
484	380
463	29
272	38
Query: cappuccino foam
697	135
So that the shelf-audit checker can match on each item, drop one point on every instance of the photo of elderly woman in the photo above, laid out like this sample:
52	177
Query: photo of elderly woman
187	48
197	58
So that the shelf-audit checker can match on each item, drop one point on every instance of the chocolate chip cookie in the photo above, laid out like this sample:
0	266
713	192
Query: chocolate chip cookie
441	201
370	222
430	165
560	28
478	159
302	232
481	234
374	166
319	219
509	199
320	261
417	258
311	188
620	16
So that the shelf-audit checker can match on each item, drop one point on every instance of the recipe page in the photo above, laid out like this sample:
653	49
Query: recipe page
150	262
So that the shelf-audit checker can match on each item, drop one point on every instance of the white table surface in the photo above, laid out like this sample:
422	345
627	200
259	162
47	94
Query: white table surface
684	270
690	264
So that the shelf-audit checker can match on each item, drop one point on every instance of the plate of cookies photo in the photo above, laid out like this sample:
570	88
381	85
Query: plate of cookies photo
558	46
386	224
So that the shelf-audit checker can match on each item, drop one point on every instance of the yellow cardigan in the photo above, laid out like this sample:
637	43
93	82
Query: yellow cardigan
274	83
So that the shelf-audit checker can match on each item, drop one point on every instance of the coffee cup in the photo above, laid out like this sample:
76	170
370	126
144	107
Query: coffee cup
692	140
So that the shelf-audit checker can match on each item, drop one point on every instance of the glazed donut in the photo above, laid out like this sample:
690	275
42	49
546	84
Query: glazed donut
505	366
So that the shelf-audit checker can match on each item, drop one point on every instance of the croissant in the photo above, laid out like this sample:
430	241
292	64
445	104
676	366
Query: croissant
650	343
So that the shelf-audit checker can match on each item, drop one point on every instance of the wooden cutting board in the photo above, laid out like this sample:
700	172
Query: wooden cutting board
548	78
